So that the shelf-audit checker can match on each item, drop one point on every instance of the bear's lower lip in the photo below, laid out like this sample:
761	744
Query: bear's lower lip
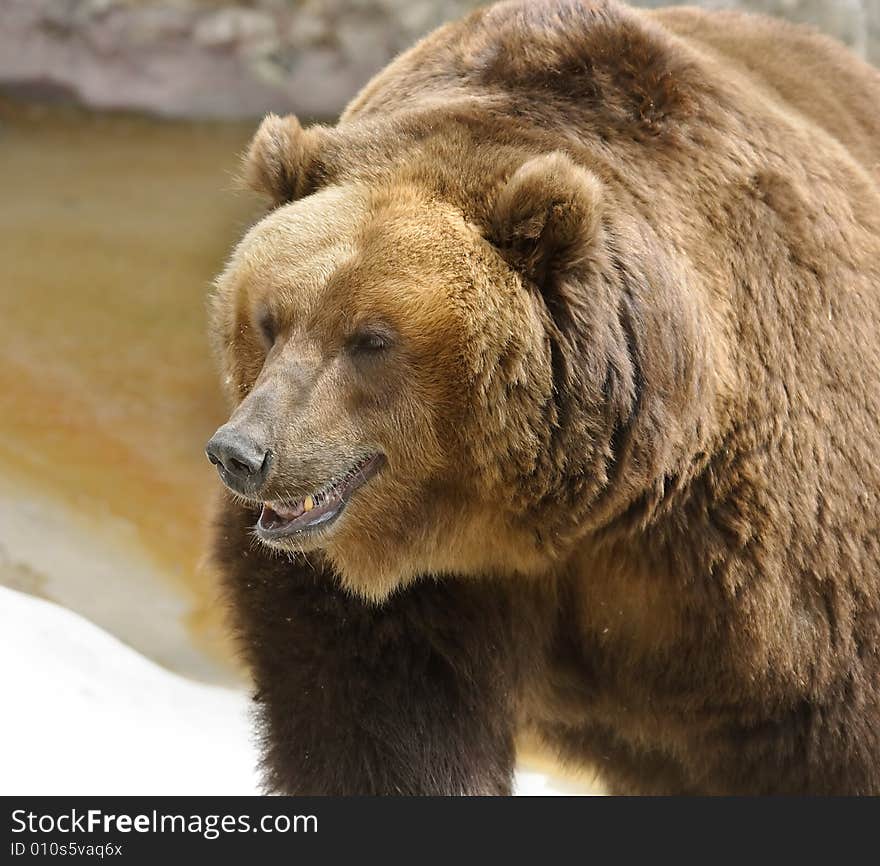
318	510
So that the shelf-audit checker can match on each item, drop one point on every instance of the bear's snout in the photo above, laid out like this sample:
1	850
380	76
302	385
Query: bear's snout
242	461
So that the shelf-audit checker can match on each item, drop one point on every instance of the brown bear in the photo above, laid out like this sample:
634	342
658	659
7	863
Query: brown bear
555	374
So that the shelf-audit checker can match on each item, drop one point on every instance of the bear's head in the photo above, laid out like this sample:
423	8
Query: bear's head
427	379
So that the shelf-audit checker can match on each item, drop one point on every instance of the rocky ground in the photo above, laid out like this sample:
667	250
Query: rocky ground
220	59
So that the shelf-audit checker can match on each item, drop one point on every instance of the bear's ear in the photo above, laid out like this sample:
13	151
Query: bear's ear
281	159
547	218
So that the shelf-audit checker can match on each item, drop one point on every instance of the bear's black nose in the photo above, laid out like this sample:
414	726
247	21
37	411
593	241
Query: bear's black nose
242	462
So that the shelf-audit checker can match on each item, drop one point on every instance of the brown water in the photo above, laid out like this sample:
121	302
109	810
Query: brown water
111	228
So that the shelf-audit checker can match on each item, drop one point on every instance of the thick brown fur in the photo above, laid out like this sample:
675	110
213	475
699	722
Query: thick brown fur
626	269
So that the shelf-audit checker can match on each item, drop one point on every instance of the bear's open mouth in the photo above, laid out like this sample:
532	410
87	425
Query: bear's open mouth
317	510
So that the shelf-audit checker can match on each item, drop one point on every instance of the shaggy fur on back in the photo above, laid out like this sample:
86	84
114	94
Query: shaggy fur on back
646	528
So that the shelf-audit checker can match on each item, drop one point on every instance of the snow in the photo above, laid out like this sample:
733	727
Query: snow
86	714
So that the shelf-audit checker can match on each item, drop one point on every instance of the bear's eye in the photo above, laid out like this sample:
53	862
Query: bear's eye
369	341
267	328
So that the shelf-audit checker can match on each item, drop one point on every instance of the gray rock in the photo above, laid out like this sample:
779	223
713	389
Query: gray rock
846	20
225	59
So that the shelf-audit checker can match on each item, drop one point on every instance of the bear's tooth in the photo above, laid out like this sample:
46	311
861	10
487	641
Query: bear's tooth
308	504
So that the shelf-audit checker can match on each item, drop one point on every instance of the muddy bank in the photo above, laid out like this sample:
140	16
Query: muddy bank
113	227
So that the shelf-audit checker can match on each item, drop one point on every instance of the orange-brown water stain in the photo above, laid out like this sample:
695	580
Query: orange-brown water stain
112	228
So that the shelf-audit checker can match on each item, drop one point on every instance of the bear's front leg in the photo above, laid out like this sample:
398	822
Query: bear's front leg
414	696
